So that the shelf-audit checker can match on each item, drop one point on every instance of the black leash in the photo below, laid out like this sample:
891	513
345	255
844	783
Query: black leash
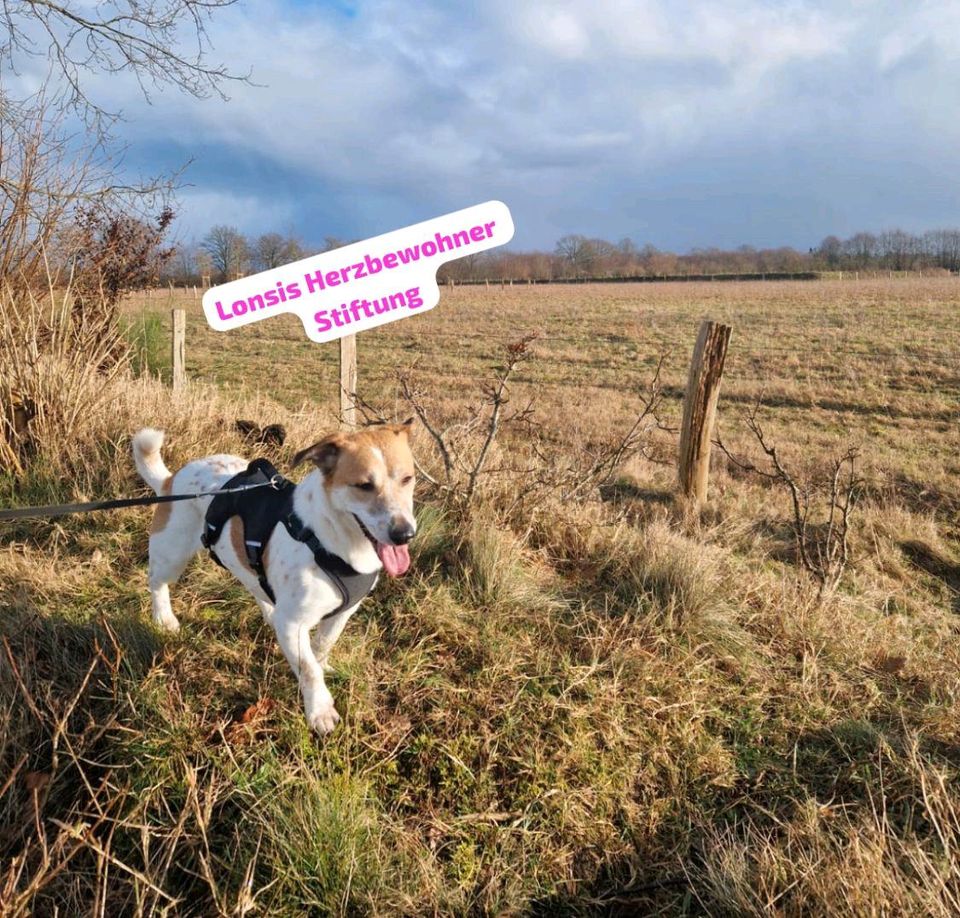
20	513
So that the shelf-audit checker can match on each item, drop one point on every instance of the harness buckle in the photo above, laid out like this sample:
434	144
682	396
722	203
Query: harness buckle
276	482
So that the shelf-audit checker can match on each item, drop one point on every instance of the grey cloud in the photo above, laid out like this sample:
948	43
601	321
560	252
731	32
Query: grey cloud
569	111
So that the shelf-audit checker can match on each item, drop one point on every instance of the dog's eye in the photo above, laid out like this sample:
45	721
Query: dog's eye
406	480
365	485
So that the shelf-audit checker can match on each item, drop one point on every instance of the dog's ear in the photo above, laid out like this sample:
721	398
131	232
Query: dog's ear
324	454
406	427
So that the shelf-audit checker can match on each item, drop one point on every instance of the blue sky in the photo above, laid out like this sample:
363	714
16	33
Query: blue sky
682	124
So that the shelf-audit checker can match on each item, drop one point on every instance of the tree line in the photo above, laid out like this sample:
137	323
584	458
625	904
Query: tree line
226	253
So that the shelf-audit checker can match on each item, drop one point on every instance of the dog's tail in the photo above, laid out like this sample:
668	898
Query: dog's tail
146	454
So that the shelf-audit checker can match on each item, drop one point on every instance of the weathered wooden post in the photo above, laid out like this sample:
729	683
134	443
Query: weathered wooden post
348	381
700	409
205	281
179	348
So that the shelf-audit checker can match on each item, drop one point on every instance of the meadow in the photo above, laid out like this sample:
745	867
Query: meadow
580	700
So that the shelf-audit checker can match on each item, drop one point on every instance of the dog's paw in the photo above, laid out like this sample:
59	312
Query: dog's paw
168	623
323	719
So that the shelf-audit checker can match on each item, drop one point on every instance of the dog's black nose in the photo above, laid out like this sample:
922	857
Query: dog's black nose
401	534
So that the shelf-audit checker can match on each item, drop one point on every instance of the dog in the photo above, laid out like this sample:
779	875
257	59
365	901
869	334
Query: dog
271	435
357	500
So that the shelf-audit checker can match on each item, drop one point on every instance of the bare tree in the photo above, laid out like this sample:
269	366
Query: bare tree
830	250
578	253
182	267
271	250
333	242
228	251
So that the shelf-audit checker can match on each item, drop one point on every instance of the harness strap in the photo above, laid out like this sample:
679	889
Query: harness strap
255	559
332	565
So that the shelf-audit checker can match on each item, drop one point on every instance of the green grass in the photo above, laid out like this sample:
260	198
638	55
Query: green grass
149	340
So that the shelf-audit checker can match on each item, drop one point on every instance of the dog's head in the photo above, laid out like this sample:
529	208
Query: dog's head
370	475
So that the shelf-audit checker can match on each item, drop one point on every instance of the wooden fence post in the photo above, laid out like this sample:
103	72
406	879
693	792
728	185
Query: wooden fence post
348	381
700	409
179	348
205	280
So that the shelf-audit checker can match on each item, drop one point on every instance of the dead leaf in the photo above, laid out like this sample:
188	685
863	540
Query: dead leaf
244	729
257	710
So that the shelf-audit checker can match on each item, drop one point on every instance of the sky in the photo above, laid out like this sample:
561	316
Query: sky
681	124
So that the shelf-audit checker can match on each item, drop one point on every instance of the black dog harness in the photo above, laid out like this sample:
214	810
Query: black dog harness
260	510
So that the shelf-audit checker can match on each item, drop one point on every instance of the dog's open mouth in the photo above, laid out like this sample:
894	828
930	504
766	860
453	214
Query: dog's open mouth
394	558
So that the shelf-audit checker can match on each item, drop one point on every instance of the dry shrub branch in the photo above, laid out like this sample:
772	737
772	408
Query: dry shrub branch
537	466
823	549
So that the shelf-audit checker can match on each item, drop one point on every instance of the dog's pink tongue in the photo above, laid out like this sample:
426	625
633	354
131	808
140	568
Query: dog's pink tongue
394	558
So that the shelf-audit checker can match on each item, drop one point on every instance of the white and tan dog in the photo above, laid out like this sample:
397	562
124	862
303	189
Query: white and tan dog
366	477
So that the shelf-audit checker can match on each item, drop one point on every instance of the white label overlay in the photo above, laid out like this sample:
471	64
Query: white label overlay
363	284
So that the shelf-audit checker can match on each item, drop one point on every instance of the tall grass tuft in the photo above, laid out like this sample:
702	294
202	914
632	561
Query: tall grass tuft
55	377
149	343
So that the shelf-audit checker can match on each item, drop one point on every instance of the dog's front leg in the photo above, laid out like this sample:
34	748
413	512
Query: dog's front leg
328	631
266	609
293	633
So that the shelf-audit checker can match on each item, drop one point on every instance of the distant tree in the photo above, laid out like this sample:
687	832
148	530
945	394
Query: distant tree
332	242
897	249
829	251
605	257
228	251
577	253
861	249
184	264
271	250
785	259
942	248
203	261
182	267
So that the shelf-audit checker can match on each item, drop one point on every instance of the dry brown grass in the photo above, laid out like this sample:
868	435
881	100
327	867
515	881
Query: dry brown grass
600	706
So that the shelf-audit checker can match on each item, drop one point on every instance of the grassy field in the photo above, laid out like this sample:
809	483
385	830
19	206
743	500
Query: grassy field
599	705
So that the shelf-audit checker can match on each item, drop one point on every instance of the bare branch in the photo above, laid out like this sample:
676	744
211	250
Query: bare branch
517	352
161	42
414	398
824	556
